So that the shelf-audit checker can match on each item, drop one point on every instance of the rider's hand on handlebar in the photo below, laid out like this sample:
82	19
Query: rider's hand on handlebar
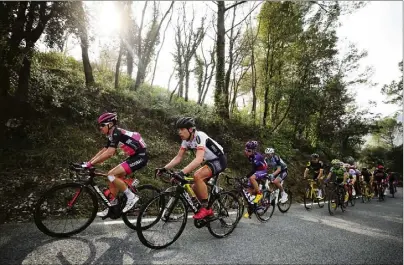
86	165
160	171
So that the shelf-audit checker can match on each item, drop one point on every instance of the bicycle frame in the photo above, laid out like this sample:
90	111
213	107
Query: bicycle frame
91	183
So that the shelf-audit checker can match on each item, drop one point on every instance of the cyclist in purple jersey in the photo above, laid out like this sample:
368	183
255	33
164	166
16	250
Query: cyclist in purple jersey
133	145
259	168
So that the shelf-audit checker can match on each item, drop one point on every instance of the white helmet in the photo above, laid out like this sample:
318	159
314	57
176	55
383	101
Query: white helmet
269	150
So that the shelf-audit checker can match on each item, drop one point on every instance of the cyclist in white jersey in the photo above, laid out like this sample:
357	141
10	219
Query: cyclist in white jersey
208	152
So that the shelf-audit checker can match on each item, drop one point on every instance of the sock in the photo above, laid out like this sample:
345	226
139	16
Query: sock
129	194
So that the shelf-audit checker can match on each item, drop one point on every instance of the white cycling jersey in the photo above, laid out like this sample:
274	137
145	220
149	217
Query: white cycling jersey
202	141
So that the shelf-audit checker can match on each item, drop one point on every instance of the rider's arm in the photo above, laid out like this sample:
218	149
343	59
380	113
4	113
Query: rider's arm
278	166
194	163
110	151
329	175
177	159
305	173
98	154
320	174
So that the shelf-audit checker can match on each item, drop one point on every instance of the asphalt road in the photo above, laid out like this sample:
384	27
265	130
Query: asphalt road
369	233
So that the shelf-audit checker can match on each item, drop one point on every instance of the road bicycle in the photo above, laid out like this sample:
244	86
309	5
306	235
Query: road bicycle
310	195
62	202
171	207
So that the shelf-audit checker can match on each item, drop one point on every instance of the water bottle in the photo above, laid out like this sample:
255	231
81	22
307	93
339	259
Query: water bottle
276	193
108	194
260	187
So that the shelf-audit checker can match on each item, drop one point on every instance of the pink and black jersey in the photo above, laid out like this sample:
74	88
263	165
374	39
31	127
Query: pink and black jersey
130	142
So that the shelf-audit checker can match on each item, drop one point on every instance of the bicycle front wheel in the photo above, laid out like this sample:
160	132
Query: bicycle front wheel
146	193
55	210
308	200
165	212
226	208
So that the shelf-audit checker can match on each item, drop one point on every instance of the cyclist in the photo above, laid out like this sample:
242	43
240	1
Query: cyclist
352	173
133	145
259	168
339	174
367	179
207	151
280	171
315	167
379	176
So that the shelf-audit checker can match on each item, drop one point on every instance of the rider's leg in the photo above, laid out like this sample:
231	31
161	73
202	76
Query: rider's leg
201	191
346	197
277	182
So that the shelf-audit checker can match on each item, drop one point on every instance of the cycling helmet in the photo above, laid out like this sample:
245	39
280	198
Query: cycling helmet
185	122
335	162
107	117
380	167
364	168
269	150
314	155
251	145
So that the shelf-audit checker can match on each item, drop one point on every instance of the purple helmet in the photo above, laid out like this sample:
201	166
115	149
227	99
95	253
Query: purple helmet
107	117
251	145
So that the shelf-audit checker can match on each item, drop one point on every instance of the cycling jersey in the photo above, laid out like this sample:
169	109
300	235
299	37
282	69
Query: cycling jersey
379	175
275	161
130	142
259	166
338	173
366	175
202	141
313	166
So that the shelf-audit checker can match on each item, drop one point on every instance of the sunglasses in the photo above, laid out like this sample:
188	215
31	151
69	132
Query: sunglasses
103	124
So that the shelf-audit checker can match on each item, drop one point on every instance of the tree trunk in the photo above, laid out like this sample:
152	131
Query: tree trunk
186	80
221	97
253	86
118	65
88	71
129	63
23	78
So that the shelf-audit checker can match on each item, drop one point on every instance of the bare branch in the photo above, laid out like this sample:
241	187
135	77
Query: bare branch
241	21
234	5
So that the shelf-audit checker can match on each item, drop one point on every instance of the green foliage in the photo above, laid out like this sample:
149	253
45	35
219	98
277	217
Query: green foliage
395	90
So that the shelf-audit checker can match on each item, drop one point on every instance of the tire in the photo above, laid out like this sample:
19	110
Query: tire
135	210
308	198
288	203
173	200
266	207
364	193
224	211
322	201
58	190
241	201
332	196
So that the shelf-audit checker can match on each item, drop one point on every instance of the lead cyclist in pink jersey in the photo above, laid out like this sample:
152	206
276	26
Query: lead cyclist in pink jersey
133	145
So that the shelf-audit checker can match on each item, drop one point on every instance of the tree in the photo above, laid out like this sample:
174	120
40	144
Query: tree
388	131
394	91
146	44
187	40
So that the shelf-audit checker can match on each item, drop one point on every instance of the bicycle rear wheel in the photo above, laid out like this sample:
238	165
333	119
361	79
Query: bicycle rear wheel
226	208
146	193
162	211
71	198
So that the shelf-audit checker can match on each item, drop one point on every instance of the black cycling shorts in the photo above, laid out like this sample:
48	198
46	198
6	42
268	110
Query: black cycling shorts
135	162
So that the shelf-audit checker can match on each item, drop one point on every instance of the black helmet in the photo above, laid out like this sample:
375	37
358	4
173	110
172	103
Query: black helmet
315	155
185	122
364	168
